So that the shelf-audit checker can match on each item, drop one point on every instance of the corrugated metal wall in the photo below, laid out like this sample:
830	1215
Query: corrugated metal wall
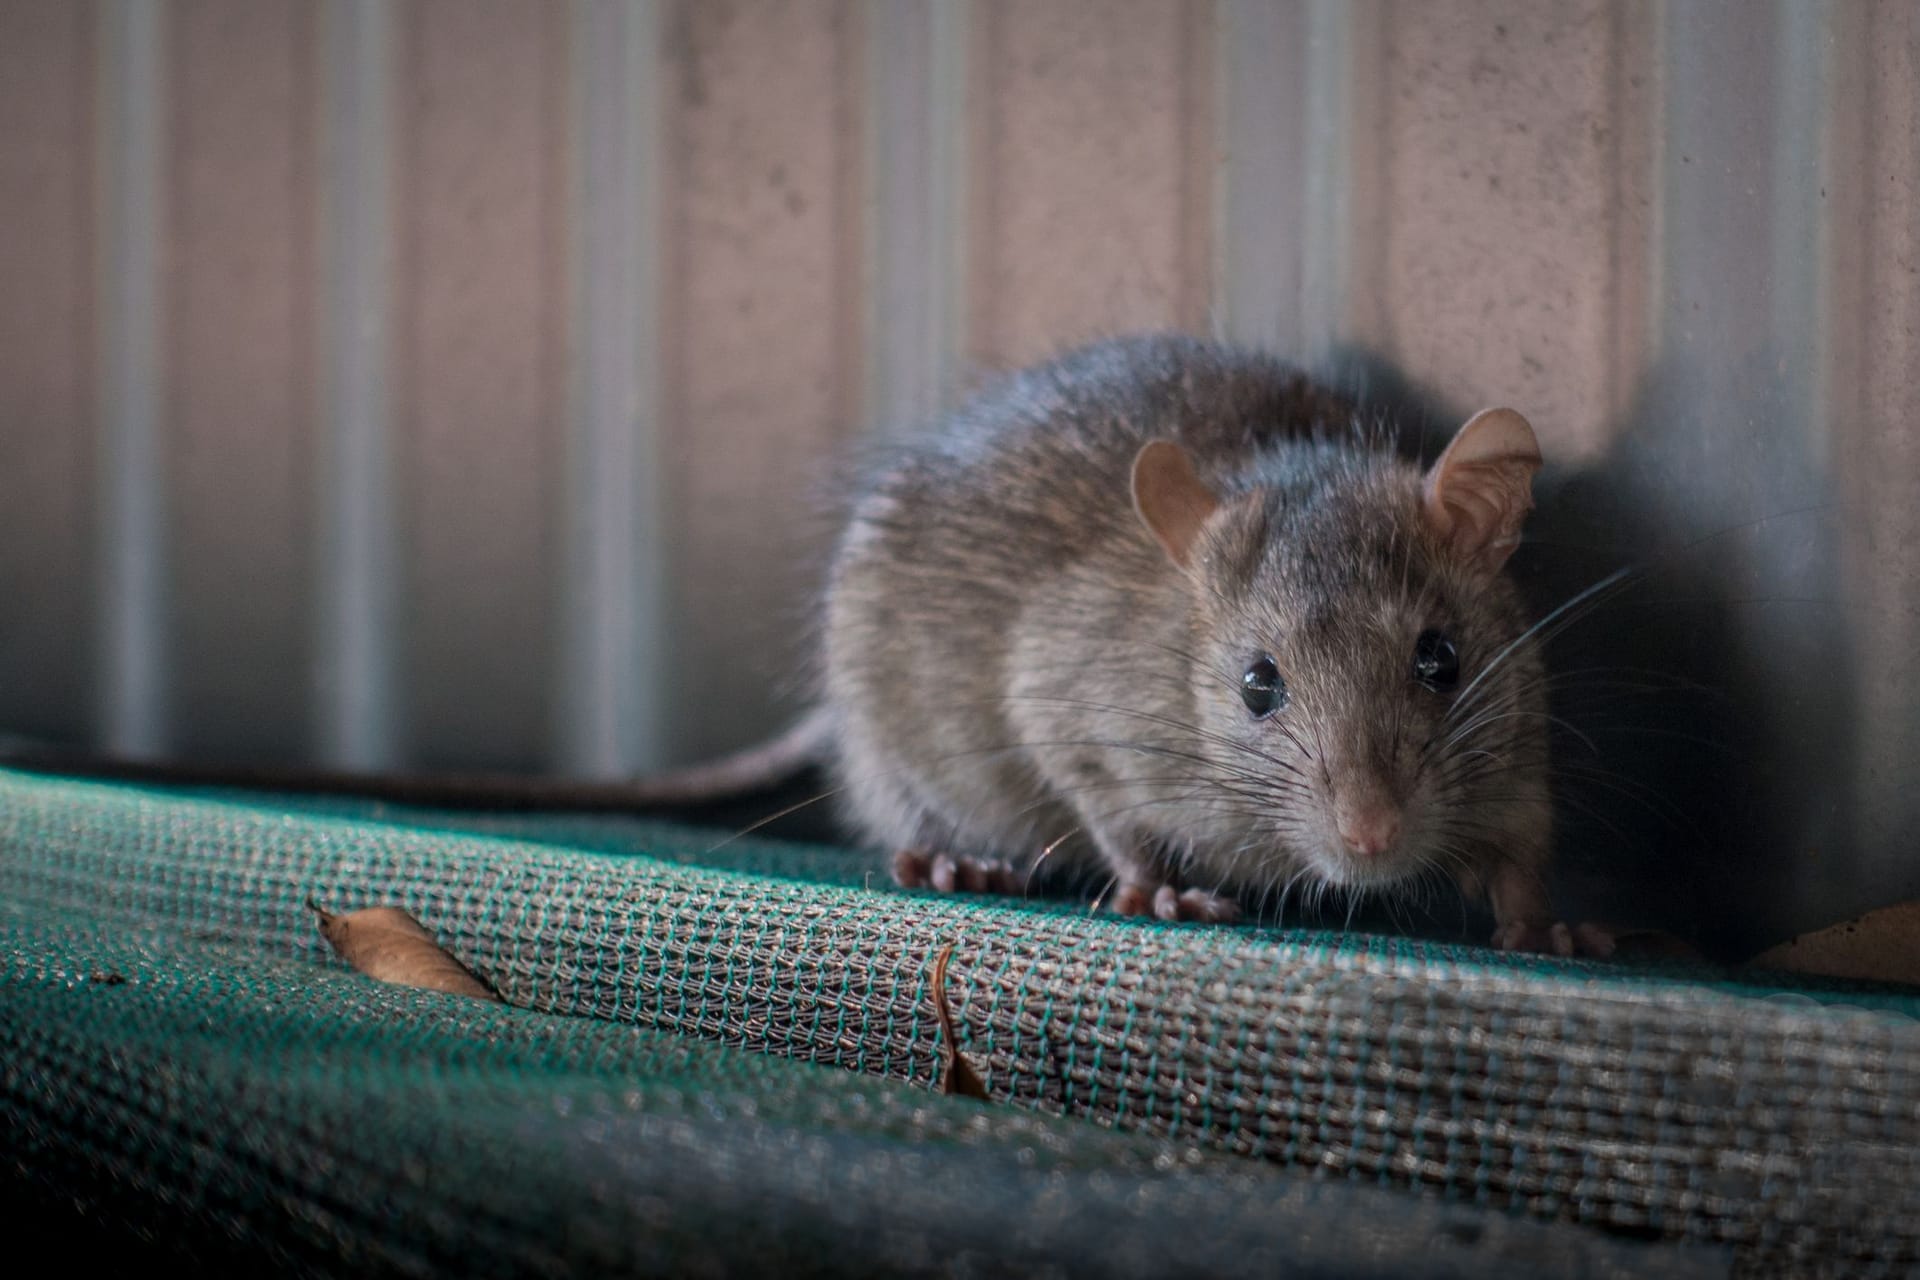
438	382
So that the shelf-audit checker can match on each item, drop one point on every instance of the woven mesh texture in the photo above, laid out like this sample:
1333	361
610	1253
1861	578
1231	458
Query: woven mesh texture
238	1109
237	1067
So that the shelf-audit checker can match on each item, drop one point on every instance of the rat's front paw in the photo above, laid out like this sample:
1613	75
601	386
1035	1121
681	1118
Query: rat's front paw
1167	903
1555	939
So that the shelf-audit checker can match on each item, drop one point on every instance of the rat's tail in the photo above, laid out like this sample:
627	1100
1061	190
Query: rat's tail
807	743
757	768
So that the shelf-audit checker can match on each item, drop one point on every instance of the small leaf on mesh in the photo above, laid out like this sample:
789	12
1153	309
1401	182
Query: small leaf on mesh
1880	946
388	944
957	1075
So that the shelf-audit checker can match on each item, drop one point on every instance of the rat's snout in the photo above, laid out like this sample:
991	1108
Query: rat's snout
1366	816
1369	830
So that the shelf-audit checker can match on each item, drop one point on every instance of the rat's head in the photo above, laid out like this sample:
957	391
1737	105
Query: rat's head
1364	684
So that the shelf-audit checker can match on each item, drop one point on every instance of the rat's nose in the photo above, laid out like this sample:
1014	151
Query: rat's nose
1370	831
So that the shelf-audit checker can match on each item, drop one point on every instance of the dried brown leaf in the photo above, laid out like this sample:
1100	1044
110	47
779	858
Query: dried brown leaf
388	944
957	1075
1880	946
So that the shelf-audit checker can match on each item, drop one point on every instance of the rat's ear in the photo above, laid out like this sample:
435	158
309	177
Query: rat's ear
1479	491
1172	500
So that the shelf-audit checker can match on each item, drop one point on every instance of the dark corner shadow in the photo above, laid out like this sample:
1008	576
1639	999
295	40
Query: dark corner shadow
1702	707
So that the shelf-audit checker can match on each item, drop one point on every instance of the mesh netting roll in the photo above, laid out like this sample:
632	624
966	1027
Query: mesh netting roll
1659	1103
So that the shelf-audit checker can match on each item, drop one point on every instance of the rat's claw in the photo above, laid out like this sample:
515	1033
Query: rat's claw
1167	903
1207	908
911	868
945	873
988	875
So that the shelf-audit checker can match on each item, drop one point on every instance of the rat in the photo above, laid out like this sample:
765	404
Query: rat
1173	610
1172	605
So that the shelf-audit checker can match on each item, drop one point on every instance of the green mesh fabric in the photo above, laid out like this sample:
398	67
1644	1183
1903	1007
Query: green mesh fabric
185	1065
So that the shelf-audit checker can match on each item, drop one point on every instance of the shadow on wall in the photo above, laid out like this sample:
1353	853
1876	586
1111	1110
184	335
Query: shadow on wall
1703	705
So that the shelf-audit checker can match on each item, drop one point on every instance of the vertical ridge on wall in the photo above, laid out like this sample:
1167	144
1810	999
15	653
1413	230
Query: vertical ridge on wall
49	371
1297	81
1803	98
917	144
1261	243
357	612
1348	180
238	393
1637	51
482	329
132	713
613	666
1196	300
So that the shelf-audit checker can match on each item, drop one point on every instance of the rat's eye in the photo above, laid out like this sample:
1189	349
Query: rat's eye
1435	662
1262	689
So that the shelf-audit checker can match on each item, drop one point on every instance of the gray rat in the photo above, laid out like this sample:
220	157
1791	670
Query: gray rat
1167	602
1167	607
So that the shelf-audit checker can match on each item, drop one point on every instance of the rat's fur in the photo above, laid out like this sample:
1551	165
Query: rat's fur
1012	659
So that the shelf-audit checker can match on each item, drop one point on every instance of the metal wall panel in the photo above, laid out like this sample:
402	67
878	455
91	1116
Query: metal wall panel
434	383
